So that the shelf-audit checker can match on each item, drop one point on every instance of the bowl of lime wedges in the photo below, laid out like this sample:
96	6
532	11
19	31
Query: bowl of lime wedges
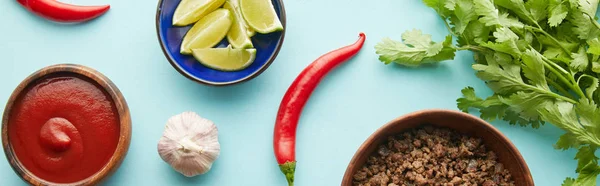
220	42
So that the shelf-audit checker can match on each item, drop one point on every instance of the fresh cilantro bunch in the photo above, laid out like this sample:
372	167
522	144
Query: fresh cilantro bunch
540	57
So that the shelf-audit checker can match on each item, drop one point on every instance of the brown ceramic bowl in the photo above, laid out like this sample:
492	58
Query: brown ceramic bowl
464	123
104	83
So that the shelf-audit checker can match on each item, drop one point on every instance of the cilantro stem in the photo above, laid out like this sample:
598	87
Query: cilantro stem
560	88
471	47
593	139
538	38
577	89
569	82
540	30
550	62
555	68
448	26
550	93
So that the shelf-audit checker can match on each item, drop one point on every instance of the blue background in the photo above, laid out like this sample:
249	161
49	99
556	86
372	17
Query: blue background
350	104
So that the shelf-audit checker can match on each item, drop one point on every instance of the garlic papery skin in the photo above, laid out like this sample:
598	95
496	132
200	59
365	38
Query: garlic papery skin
189	144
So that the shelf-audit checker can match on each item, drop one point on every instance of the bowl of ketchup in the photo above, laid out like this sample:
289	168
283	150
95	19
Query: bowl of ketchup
66	125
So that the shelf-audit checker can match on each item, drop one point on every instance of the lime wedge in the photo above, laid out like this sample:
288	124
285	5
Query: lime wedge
260	15
238	34
225	59
207	32
190	11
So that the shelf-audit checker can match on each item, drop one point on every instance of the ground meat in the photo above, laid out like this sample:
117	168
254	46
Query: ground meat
432	156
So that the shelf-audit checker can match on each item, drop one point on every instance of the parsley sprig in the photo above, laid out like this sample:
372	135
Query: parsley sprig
540	57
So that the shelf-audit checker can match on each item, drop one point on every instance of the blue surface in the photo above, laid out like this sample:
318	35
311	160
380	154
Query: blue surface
172	36
350	104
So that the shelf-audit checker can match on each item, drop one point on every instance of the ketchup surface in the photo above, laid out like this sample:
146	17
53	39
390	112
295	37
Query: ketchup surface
64	129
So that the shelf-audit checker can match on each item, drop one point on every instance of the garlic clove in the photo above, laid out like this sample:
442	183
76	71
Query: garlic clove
189	144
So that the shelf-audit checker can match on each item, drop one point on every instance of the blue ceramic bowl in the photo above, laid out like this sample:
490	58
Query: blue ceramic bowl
170	38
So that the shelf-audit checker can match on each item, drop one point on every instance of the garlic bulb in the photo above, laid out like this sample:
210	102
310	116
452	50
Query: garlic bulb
189	144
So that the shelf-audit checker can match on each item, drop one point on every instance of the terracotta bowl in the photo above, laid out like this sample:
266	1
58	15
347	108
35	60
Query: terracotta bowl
464	123
103	82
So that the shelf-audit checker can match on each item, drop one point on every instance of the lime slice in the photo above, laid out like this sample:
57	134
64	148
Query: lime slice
238	34
235	8
225	59
190	11
260	15
207	32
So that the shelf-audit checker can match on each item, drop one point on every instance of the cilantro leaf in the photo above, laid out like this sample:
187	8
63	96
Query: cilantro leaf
503	34
417	49
527	104
417	39
491	108
580	60
584	28
514	118
469	100
589	115
439	6
567	116
594	46
569	182
450	4
596	67
533	69
562	114
491	16
509	47
585	155
588	6
557	12
567	141
476	32
557	54
464	15
537	8
502	77
516	6
587	166
564	33
506	20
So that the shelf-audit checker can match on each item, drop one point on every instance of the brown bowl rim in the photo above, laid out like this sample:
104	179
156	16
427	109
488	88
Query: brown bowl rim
122	108
347	178
260	70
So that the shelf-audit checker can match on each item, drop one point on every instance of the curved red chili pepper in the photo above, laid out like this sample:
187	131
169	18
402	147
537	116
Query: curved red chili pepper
61	12
284	138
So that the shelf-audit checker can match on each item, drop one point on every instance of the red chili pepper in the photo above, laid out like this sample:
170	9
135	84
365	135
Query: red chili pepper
284	140
61	12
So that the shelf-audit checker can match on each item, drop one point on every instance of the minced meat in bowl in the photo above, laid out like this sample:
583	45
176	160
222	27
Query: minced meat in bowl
432	156
437	147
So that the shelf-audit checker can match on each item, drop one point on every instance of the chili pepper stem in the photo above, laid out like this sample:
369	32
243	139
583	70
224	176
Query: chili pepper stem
288	169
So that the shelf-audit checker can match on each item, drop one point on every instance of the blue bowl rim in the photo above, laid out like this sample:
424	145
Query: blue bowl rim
206	82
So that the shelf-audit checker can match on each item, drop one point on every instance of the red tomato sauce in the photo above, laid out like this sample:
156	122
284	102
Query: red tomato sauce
64	129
